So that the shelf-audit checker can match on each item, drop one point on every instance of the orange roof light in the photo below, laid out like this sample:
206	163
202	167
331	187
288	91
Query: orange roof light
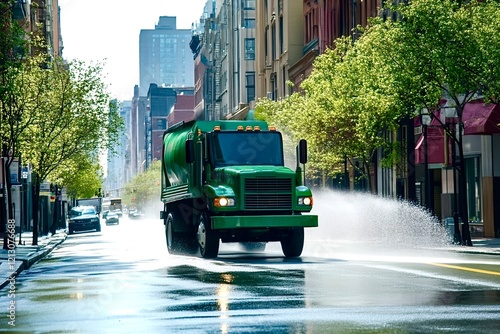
256	128
272	128
249	128
217	128
240	127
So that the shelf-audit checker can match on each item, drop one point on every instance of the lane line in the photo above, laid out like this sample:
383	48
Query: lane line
487	272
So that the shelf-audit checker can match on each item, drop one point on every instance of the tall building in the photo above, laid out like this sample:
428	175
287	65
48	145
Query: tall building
203	47
118	171
164	56
280	35
161	101
224	53
137	133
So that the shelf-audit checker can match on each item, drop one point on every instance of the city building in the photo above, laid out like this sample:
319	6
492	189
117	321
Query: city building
224	51
165	105
203	48
161	101
137	134
164	56
118	162
291	34
280	38
183	110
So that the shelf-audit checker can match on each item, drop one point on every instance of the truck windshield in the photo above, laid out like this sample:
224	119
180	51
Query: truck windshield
247	148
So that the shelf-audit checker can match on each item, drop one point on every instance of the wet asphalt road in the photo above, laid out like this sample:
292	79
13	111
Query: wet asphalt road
122	280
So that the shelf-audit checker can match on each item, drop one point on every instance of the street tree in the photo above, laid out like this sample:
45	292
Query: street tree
447	49
13	52
82	176
297	119
144	189
70	106
346	105
361	90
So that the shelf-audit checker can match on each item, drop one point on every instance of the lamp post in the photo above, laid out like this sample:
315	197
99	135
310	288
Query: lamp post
24	199
425	120
451	129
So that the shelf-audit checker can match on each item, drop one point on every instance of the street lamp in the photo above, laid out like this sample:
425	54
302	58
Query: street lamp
457	238
449	118
425	120
24	199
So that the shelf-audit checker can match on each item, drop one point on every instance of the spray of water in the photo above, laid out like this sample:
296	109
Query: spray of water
367	221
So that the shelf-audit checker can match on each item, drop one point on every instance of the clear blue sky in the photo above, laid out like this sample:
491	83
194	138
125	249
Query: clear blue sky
108	30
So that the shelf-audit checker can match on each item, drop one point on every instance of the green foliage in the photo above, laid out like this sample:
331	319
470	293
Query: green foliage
13	50
450	48
144	188
81	176
357	92
66	114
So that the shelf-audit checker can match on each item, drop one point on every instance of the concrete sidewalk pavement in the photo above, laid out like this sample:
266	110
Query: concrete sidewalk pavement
489	246
25	255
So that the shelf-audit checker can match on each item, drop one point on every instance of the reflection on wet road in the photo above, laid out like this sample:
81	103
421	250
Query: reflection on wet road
122	280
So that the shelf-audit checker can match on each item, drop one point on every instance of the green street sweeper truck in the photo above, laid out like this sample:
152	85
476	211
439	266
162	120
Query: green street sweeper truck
225	181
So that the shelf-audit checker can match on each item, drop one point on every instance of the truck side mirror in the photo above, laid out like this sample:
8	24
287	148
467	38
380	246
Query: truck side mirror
190	151
302	151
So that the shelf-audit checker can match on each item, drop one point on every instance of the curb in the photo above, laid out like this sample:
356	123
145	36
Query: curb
25	263
479	251
31	260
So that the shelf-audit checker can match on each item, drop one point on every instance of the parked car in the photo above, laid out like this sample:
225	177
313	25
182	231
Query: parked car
105	213
112	218
83	218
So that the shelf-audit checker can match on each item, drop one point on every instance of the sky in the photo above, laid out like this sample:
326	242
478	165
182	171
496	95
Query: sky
108	31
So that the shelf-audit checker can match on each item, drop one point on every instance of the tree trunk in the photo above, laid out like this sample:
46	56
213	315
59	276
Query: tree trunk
9	238
35	206
3	206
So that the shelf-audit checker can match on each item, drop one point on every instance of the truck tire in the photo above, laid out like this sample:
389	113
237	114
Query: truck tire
174	244
293	242
208	239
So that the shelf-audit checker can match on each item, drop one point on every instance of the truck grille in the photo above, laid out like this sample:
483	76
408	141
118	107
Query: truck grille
268	193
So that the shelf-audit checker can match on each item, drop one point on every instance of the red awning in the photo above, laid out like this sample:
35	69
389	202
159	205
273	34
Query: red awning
481	119
435	147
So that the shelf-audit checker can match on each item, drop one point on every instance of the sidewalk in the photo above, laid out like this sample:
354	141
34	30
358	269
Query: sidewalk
25	255
489	246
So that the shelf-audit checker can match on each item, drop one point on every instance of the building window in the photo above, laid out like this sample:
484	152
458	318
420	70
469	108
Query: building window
250	86
249	48
249	4
161	124
249	23
273	42
281	36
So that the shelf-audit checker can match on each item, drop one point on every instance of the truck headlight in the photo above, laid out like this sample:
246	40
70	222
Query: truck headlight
305	201
224	201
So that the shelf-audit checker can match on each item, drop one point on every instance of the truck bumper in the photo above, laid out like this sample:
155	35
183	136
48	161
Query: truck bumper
231	222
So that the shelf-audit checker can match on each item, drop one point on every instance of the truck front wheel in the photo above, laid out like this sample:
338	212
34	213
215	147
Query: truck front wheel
208	239
293	242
